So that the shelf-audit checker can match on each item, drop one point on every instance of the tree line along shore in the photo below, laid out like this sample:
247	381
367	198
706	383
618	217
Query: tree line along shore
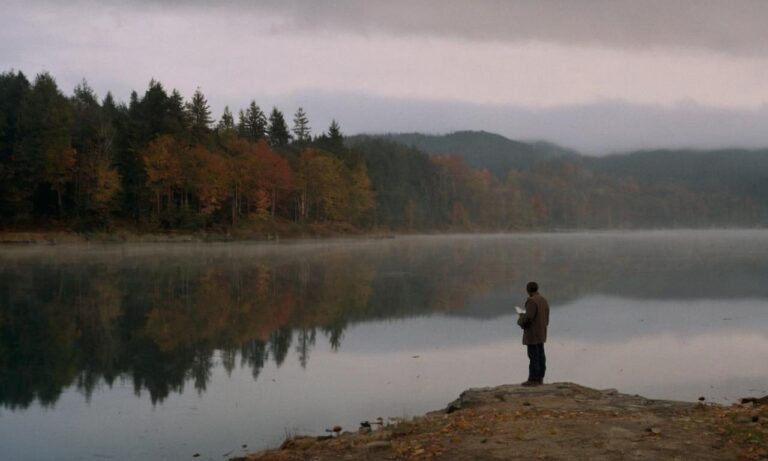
160	163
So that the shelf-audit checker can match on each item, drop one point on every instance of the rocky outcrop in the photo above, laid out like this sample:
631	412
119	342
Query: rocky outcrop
553	421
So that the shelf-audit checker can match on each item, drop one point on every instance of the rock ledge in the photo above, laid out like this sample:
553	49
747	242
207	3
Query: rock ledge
555	421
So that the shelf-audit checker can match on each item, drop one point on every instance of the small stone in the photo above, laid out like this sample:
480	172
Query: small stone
702	398
376	446
196	455
755	418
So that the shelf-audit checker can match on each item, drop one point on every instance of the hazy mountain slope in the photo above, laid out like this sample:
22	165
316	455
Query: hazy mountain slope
481	149
733	170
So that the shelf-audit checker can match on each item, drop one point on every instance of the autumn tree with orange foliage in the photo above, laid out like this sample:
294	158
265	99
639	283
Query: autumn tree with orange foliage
161	161
212	186
329	191
274	179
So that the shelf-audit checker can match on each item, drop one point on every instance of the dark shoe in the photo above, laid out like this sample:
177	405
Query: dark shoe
528	383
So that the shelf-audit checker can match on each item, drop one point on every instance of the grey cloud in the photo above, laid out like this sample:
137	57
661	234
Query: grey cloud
735	26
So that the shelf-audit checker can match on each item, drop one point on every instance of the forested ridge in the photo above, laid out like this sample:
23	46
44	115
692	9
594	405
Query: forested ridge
161	162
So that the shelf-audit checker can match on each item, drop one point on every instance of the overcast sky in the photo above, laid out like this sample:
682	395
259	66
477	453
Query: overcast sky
598	76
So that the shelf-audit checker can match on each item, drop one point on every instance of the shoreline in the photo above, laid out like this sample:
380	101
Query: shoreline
34	238
552	421
17	238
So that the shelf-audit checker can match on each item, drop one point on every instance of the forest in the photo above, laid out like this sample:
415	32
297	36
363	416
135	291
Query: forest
161	162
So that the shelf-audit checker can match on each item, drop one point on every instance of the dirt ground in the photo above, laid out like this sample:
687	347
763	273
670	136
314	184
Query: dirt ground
561	421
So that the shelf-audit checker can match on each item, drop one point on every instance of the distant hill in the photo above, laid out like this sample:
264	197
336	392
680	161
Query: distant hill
729	170
480	149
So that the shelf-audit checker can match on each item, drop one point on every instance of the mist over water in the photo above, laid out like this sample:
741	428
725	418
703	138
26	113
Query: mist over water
161	352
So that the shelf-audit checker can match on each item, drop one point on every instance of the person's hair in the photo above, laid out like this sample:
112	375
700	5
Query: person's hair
532	287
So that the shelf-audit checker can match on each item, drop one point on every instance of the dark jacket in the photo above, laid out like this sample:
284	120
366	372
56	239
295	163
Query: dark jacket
535	320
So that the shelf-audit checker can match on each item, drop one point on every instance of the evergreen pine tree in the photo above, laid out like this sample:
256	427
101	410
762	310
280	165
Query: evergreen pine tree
333	140
278	129
43	158
87	119
128	162
200	117
253	123
242	131
152	114
14	90
334	132
178	118
227	122
301	128
96	181
116	114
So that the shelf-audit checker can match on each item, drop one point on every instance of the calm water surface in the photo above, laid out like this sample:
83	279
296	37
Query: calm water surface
160	352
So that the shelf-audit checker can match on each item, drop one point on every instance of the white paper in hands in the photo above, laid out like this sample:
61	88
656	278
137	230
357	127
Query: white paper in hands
519	311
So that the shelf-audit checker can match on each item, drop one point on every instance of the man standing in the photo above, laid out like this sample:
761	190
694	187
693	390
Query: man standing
534	323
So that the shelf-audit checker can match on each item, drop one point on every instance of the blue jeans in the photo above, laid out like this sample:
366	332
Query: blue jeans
538	362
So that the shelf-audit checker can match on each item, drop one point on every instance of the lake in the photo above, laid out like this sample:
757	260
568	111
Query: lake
150	351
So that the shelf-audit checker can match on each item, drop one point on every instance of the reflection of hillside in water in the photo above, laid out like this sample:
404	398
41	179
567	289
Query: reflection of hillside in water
164	317
651	266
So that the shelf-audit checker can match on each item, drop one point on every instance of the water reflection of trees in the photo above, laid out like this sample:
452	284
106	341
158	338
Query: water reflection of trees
163	323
